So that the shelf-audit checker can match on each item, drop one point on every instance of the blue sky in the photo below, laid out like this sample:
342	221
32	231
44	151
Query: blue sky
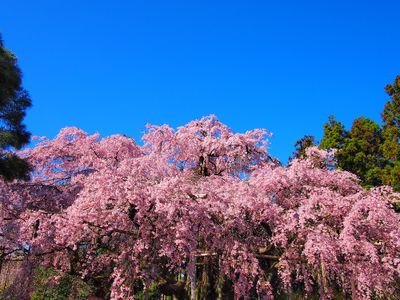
113	66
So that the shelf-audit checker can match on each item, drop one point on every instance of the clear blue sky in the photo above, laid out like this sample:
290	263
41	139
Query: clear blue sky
113	66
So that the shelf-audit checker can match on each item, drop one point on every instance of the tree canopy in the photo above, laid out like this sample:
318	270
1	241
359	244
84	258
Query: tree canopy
361	153
14	100
391	135
301	146
198	210
334	134
391	122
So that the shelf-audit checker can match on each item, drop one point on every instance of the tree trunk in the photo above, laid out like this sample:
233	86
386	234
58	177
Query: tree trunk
219	288
323	283
192	277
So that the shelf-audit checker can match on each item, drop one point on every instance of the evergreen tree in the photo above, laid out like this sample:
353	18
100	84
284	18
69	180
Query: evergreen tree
391	134
391	122
14	100
361	154
301	146
334	134
359	150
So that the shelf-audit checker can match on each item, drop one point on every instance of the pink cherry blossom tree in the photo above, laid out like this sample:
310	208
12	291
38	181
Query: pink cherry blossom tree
198	210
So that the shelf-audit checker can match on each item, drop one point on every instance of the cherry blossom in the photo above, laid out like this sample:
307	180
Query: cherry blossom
133	215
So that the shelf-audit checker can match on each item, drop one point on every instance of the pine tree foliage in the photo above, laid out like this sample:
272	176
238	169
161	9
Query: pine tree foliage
14	100
301	146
